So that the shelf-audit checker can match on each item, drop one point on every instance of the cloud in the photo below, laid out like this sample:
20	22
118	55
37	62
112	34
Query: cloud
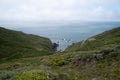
44	10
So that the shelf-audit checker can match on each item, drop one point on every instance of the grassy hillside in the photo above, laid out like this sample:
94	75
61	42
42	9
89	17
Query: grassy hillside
14	44
104	40
85	63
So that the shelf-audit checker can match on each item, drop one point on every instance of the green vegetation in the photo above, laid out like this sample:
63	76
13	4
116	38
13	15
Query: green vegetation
33	75
102	41
96	60
14	44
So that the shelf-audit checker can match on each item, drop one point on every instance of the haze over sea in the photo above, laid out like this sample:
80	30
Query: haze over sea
68	33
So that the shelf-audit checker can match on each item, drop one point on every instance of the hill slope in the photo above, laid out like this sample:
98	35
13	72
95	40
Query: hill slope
86	63
106	39
14	44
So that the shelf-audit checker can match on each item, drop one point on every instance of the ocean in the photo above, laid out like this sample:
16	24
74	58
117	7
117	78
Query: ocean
68	33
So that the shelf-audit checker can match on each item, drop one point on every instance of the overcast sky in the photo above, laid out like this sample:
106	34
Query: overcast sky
59	10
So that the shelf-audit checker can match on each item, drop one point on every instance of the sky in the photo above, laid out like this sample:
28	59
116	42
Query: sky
45	11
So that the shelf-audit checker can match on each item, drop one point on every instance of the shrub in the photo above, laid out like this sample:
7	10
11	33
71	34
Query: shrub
33	75
6	75
57	61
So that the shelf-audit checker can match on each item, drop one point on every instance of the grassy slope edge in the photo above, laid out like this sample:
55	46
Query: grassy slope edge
16	44
106	39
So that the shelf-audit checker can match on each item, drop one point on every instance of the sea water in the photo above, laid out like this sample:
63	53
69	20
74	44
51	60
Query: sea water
68	33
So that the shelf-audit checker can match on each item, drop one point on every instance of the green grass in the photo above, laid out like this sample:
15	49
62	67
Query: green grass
96	60
104	40
66	66
33	75
14	44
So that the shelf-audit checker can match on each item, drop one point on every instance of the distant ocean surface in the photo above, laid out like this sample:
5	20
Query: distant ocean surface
69	33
